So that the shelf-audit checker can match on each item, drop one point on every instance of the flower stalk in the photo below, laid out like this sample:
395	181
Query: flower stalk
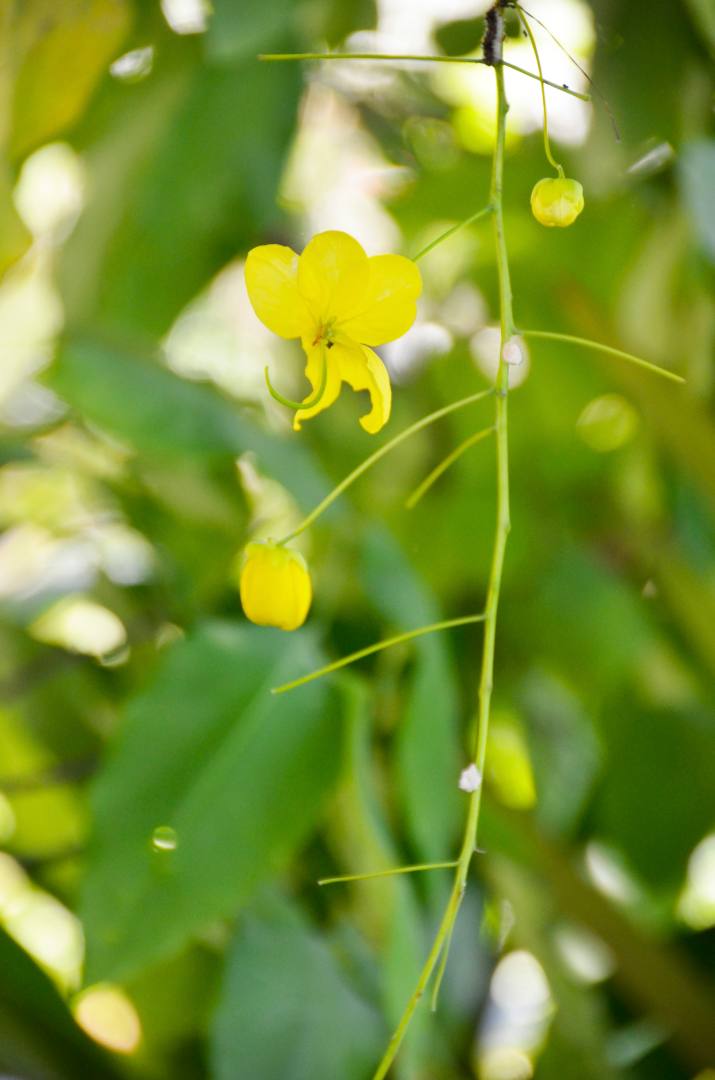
278	57
480	728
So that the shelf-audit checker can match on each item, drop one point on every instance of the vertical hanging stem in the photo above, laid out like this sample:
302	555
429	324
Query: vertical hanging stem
478	732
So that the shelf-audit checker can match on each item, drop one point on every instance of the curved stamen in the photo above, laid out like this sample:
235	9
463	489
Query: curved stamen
310	402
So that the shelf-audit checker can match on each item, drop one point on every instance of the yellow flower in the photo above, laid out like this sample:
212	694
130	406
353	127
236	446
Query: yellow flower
338	302
275	586
557	201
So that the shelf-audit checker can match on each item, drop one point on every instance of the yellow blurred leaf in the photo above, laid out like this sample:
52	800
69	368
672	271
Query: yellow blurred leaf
60	50
14	236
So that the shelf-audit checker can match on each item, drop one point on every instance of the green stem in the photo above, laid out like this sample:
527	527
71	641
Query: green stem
431	418
451	231
272	57
597	346
469	840
377	646
547	144
438	471
392	872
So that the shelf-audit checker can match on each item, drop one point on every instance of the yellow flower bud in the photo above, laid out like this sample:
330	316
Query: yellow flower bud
557	201
275	586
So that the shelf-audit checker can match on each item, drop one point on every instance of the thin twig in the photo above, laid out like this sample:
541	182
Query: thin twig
378	646
597	346
451	231
270	57
373	459
422	489
392	872
478	734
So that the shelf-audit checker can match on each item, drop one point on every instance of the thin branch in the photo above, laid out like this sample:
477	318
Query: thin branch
272	57
478	733
378	646
597	346
373	459
451	231
422	489
414	869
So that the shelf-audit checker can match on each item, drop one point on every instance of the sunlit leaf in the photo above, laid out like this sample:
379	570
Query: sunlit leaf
63	49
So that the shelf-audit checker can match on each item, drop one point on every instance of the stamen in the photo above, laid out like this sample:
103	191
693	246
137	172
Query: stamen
311	402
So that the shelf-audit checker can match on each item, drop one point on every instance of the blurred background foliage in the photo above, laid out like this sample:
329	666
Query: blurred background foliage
163	819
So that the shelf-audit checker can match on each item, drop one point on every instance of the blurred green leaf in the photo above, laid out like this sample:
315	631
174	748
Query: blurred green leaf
697	179
564	751
288	1009
657	797
703	13
190	185
344	17
63	47
157	413
460	37
238	776
144	404
15	237
589	618
238	31
385	909
427	746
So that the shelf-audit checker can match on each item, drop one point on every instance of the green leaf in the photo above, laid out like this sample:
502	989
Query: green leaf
242	30
386	909
697	181
427	747
238	776
460	37
184	179
144	404
588	618
62	49
657	798
703	14
166	417
288	1009
564	751
15	238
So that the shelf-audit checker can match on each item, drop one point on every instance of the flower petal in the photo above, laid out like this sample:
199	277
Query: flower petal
272	284
363	369
332	275
314	375
388	306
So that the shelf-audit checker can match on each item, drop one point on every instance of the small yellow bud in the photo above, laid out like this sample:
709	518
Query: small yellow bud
557	201
275	586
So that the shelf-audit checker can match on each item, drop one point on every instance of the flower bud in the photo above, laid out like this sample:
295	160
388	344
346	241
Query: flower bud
557	201
275	586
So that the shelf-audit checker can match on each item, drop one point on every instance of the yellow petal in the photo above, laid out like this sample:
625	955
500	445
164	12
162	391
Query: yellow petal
388	306
275	586
332	275
557	201
272	284
314	375
363	369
